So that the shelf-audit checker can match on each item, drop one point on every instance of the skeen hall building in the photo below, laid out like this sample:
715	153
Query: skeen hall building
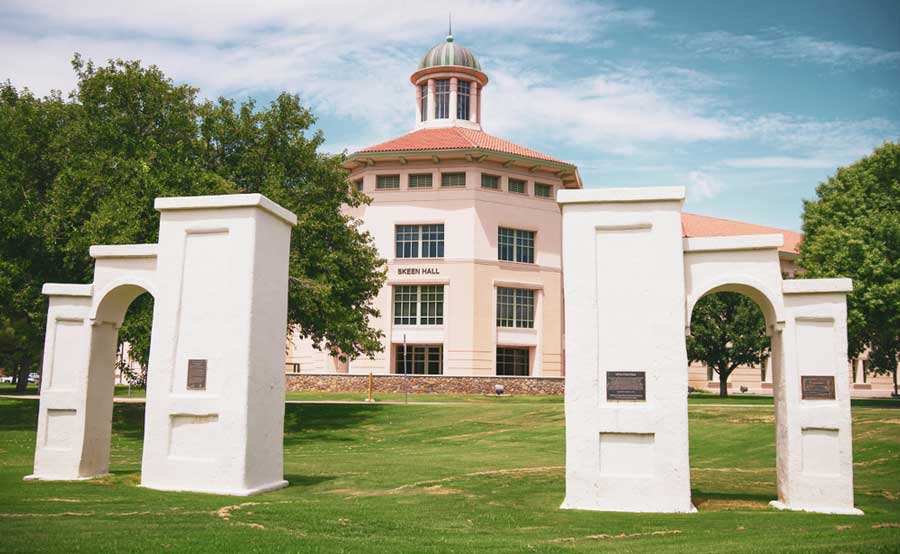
471	231
469	225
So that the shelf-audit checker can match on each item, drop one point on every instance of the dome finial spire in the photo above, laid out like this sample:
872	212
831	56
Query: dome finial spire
450	27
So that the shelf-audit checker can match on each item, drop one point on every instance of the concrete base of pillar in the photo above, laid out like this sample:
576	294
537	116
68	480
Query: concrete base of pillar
690	509
777	504
34	477
230	492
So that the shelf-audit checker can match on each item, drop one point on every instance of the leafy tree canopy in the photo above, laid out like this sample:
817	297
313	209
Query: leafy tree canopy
728	330
852	229
85	170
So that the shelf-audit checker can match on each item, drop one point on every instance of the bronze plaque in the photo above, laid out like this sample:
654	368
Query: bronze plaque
626	385
196	375
817	387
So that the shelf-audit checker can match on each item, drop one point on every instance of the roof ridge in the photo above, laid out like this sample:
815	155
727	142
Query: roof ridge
743	222
471	142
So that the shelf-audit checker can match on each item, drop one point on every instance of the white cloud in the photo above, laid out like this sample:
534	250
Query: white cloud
352	60
778	162
614	112
702	186
780	45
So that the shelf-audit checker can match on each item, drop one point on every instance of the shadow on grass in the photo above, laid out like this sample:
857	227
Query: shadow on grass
18	415
318	422
716	501
128	421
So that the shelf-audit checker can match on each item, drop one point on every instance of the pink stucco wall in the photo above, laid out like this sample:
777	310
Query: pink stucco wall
469	271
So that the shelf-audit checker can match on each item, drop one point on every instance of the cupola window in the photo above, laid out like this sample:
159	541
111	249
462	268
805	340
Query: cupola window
442	99
462	100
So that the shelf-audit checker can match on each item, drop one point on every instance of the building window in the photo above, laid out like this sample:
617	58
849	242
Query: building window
515	308
387	182
490	181
453	179
462	100
517	185
419	241
420	181
424	101
515	245
442	99
419	359
543	191
512	361
358	185
419	305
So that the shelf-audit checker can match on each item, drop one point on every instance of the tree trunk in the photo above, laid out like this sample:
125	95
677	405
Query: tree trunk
895	382
22	372
723	384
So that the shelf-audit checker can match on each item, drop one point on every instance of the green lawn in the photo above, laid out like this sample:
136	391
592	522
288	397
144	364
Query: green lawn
483	476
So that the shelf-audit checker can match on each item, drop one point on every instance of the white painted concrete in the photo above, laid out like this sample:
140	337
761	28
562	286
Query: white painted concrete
624	289
219	277
629	282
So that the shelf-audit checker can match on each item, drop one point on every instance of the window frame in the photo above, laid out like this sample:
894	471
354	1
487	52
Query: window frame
444	185
515	308
405	357
378	181
409	183
442	99
523	182
491	175
463	102
512	355
419	239
424	305
539	186
520	239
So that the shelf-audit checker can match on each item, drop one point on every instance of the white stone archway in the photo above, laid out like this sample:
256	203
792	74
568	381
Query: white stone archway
215	392
631	282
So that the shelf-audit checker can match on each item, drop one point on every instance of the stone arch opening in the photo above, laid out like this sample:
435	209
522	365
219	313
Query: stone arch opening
106	320
731	335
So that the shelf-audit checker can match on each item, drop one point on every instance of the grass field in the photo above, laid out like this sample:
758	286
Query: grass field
483	476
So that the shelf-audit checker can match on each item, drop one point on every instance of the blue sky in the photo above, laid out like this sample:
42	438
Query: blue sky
747	104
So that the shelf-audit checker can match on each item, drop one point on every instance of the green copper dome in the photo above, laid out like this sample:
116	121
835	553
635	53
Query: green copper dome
449	53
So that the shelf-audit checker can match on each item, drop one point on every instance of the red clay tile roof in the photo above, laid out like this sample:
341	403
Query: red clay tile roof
693	225
456	138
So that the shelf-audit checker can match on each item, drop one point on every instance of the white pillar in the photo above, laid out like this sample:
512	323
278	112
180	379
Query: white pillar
431	100
215	391
418	104
814	462
625	300
473	101
453	98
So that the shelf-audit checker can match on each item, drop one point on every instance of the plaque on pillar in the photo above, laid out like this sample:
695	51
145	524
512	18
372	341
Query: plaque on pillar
196	375
626	385
817	387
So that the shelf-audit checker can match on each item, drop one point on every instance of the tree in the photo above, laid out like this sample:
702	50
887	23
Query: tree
852	229
86	170
728	330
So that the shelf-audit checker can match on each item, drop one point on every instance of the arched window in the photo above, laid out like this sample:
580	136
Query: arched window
442	99
424	91
462	100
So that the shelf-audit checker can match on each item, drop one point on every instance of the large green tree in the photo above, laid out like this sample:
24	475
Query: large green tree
85	170
852	229
728	330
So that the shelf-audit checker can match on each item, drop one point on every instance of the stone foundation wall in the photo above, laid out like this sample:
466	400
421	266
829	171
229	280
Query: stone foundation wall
423	384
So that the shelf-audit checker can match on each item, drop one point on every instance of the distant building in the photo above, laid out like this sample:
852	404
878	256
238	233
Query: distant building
472	234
